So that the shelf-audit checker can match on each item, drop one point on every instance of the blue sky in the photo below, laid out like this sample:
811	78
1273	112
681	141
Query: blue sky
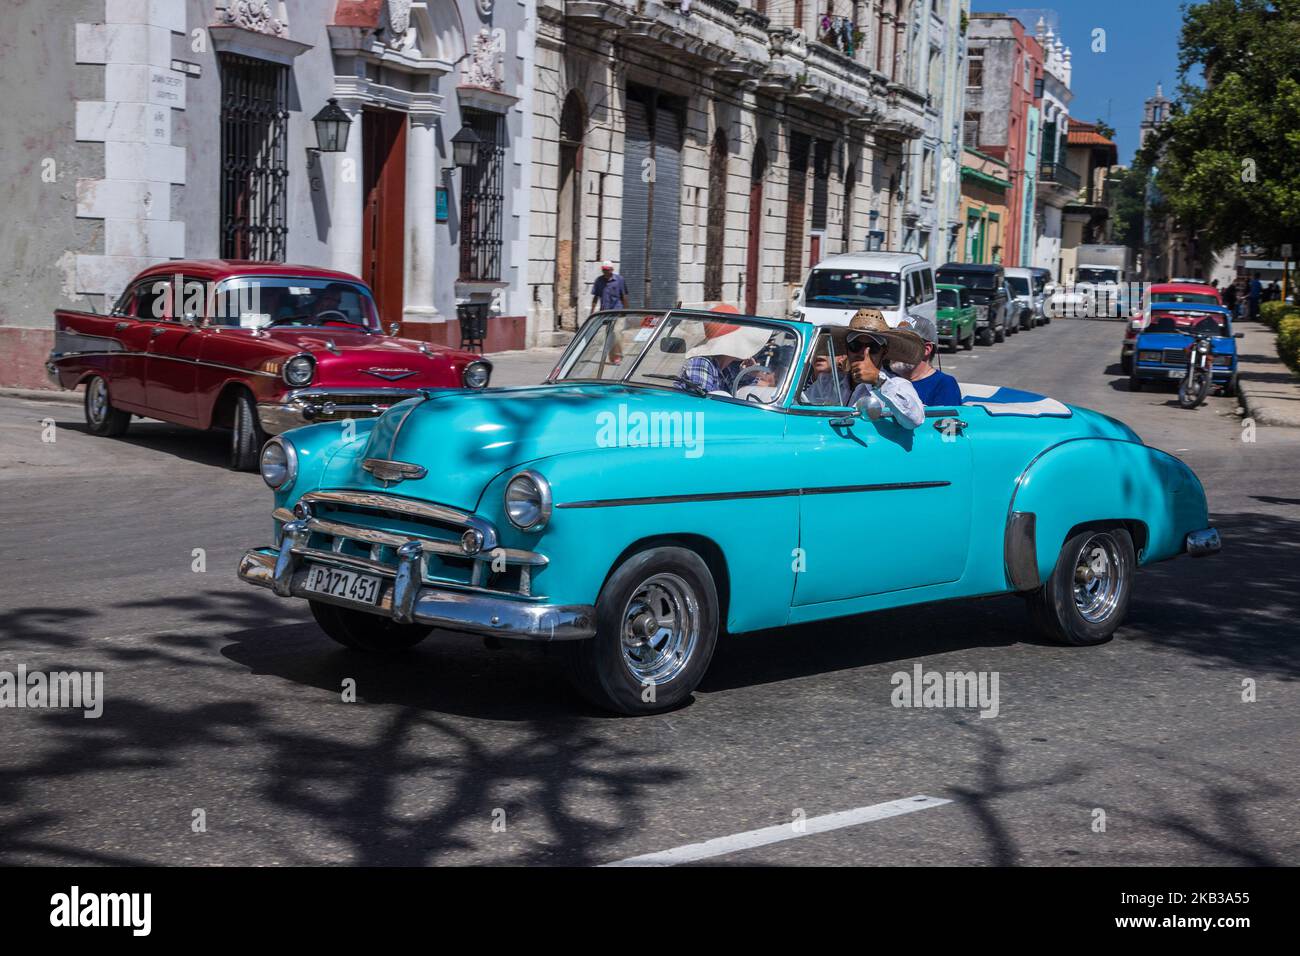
1141	50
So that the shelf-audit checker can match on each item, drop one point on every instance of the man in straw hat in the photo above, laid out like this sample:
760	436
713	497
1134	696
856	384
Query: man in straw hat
869	345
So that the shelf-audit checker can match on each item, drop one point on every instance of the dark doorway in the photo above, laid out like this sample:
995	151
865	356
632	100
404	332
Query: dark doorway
754	258
568	214
384	218
716	227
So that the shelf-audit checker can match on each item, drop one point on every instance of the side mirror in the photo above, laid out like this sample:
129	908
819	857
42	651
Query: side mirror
872	408
191	320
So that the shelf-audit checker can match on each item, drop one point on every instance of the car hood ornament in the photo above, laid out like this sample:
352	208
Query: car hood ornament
386	470
389	374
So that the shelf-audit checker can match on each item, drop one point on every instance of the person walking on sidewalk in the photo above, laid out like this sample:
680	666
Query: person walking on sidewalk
609	291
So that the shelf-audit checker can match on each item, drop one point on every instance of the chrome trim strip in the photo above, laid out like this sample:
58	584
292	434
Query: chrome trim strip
444	608
737	495
386	469
406	506
392	540
62	356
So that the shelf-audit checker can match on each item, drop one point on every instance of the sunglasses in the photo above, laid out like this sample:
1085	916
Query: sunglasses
863	343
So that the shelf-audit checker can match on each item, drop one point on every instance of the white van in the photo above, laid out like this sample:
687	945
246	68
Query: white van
896	283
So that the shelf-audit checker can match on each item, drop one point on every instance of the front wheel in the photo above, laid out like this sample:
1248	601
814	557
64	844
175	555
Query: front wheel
1001	334
366	632
1194	387
101	417
246	437
656	628
1087	596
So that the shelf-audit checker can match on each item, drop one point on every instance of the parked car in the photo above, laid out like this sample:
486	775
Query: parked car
956	322
1161	346
1194	292
597	512
1027	288
896	283
988	293
255	347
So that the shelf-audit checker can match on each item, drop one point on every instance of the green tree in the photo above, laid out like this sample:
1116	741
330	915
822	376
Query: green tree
1128	189
1228	159
1105	129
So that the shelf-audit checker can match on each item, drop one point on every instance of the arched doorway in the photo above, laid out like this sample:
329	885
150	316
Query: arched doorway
716	227
568	209
753	262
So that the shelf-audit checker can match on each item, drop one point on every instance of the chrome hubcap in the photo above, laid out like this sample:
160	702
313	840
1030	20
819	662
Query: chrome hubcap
98	403
1098	578
661	626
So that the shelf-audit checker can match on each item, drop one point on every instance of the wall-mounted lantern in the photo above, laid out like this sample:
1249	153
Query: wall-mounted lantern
332	125
464	147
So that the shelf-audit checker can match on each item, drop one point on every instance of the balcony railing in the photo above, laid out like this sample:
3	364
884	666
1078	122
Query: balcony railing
1060	174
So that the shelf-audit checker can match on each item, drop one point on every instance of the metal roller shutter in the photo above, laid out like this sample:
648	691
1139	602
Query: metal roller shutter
665	241
636	203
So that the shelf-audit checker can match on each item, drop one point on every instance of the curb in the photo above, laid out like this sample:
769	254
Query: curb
43	394
1258	409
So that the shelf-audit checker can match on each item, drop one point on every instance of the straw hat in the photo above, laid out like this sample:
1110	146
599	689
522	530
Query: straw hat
904	344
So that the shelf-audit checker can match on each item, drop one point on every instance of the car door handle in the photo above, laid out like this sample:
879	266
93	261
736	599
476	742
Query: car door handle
843	422
950	425
157	332
121	326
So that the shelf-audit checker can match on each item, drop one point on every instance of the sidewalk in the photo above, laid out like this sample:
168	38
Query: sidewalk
1269	390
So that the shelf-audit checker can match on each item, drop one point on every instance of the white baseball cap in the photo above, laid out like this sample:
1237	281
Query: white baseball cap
606	265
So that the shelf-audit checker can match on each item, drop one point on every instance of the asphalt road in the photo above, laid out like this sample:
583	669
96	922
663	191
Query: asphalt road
222	698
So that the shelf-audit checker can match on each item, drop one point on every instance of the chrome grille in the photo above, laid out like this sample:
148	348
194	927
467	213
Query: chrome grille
364	530
1174	357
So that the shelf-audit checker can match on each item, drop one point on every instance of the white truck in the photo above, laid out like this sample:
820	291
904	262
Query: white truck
1102	273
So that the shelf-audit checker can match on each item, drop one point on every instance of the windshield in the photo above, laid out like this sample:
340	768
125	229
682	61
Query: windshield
1187	322
1086	274
1200	298
1018	285
254	302
728	356
985	281
853	287
1040	283
949	299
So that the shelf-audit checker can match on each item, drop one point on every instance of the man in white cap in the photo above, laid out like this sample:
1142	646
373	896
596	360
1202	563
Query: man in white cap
609	291
933	386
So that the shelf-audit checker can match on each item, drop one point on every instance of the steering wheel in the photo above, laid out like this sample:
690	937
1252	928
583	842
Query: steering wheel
756	384
332	315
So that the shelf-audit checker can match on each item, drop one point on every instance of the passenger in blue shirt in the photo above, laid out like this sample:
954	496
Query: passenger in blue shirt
933	386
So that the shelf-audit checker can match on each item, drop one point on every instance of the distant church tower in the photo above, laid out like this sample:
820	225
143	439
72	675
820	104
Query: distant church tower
1155	115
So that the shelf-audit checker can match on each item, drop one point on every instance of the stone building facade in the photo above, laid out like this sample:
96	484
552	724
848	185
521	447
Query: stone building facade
712	150
985	216
1057	185
169	129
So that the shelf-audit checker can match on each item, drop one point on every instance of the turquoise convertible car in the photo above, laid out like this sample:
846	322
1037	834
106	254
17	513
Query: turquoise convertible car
684	474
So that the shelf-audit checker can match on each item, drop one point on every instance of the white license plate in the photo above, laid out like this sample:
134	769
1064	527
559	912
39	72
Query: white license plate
1176	372
362	588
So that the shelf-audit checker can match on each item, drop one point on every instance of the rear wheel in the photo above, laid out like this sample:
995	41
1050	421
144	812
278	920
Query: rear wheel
366	632
1000	335
656	628
1087	596
101	417
970	341
246	437
985	335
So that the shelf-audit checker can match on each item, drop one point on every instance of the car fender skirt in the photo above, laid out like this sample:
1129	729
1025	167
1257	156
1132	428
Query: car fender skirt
1022	551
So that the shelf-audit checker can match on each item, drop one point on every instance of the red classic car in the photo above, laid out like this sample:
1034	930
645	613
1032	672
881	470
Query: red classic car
255	347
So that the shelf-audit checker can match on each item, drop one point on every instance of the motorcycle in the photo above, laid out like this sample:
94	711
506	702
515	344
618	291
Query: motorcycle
1196	383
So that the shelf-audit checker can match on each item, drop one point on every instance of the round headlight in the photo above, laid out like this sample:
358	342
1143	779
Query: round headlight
279	463
476	374
299	370
528	501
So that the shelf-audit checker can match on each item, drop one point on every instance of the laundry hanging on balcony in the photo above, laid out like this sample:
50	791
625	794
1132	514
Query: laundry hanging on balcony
837	32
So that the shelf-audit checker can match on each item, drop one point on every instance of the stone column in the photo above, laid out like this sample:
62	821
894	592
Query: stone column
421	230
349	197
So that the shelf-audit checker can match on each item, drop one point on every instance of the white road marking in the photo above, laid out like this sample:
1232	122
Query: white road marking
782	831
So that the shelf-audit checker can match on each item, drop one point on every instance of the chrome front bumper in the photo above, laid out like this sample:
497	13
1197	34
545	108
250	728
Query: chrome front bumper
407	600
1204	542
306	406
